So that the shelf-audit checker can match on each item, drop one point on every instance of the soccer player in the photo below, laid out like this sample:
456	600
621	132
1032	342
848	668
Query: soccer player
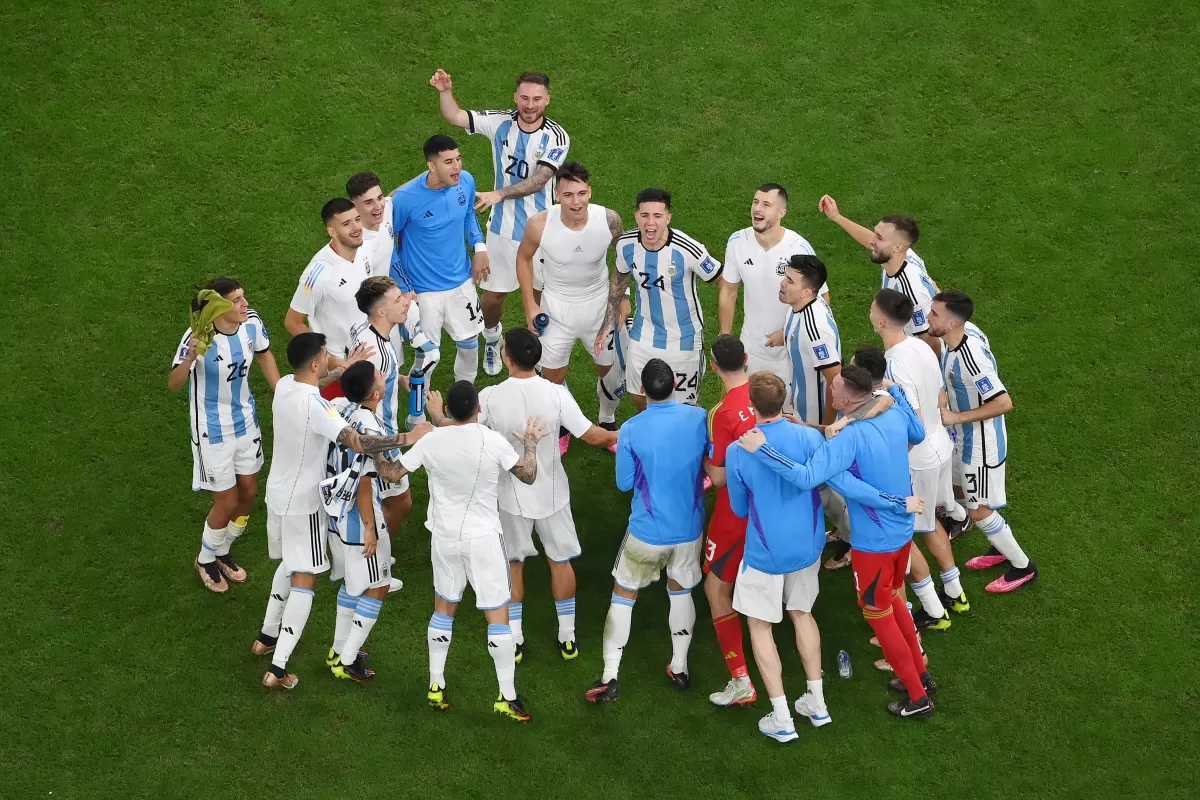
324	299
891	244
545	505
668	323
660	455
726	537
913	366
464	460
433	216
527	149
976	404
226	440
297	527
880	537
782	561
361	550
758	257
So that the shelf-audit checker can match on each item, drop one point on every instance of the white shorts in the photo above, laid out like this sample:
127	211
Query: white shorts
301	540
215	467
640	564
572	321
347	563
775	360
480	562
936	488
454	310
502	265
556	532
393	489
687	365
762	596
981	486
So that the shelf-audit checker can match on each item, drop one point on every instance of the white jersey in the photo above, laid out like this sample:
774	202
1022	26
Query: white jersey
464	463
505	408
971	329
325	295
668	314
574	262
350	528
379	246
761	272
813	344
386	361
912	281
305	425
913	365
972	379
220	404
515	156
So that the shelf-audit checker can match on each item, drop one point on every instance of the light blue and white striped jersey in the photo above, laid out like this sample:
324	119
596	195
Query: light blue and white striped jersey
515	155
973	379
972	329
913	281
813	344
668	314
349	527
388	364
221	406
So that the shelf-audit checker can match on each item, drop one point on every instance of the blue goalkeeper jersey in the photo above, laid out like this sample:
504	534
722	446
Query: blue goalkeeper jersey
786	529
660	456
873	450
432	228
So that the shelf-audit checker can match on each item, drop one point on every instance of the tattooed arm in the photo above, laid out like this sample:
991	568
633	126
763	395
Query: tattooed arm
376	445
614	225
542	174
875	405
616	294
525	470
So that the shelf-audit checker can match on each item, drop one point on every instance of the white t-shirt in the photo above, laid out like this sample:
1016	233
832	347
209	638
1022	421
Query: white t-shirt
506	408
761	271
325	295
464	463
378	246
913	366
574	264
306	424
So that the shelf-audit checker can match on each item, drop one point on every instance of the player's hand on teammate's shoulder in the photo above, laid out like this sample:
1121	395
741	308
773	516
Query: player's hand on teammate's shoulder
480	267
914	504
435	404
752	439
485	200
441	81
361	352
828	207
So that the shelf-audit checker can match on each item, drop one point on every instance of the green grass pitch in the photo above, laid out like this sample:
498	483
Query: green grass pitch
1049	151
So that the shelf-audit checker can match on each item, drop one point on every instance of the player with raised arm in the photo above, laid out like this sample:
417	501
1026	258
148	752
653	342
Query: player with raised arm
213	361
464	460
976	404
434	219
543	507
877	449
324	299
668	323
757	257
913	366
660	456
527	149
891	244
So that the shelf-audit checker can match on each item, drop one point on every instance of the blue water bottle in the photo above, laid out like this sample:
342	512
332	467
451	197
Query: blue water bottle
845	668
416	392
540	323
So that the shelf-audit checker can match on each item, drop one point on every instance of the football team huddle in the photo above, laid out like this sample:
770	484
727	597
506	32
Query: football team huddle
904	436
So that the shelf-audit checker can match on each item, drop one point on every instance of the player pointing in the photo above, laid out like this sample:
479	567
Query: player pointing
527	149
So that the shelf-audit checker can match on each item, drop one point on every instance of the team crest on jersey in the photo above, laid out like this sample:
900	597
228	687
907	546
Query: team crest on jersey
781	267
671	271
821	352
984	385
462	198
918	317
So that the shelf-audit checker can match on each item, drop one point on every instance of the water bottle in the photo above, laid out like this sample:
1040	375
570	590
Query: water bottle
845	669
540	322
416	392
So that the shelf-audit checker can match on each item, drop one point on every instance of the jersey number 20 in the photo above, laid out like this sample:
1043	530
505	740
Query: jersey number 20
517	168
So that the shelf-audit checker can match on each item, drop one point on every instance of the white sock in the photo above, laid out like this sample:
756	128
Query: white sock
500	647
817	690
616	634
466	361
566	619
281	587
956	512
682	619
926	592
492	335
365	615
210	543
236	528
346	603
1000	535
610	387
441	630
515	615
295	617
951	583
780	706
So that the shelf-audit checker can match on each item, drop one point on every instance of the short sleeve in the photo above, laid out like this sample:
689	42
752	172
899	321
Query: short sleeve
324	418
986	377
412	458
733	273
571	416
261	340
484	394
624	260
303	300
897	374
705	265
181	352
826	347
556	155
485	123
500	449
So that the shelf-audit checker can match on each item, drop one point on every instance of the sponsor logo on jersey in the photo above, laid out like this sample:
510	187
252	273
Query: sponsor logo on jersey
821	351
578	249
342	282
709	264
918	317
749	262
984	385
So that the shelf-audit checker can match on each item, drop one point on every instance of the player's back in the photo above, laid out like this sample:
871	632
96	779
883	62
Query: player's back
880	447
913	365
659	456
303	424
574	266
728	419
464	480
430	227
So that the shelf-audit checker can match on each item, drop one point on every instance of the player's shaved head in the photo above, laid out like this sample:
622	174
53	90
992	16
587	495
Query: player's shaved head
856	380
811	269
338	205
895	307
658	380
959	304
872	359
438	144
358	381
303	348
462	401
523	348
767	188
728	353
654	196
767	394
360	183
